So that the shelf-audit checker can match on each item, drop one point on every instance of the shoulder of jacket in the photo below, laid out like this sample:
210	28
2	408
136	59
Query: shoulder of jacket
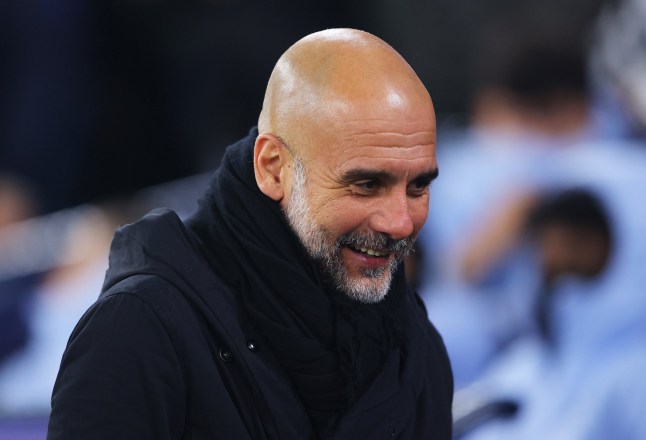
172	301
148	287
155	293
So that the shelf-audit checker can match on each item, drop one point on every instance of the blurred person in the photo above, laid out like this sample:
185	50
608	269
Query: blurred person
52	306
280	307
16	203
573	237
536	109
529	105
578	374
50	270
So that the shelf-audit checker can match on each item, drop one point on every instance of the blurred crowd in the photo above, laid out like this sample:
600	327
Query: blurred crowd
535	249
533	260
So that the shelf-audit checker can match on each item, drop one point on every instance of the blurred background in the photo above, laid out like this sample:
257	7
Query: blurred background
532	263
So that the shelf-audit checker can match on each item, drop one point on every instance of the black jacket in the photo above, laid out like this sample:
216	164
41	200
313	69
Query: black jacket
162	355
167	352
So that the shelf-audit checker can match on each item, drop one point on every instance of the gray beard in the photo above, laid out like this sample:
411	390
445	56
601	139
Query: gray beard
323	247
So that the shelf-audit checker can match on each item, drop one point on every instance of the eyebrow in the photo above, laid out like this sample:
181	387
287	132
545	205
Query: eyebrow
358	174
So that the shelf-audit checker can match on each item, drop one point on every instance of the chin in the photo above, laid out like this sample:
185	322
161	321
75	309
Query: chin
367	290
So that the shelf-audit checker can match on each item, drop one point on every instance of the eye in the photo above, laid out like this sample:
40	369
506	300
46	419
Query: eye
419	186
366	186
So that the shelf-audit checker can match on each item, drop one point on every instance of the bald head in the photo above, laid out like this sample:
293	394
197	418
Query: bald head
333	74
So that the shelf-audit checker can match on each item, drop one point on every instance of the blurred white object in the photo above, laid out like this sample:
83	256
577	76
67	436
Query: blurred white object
618	56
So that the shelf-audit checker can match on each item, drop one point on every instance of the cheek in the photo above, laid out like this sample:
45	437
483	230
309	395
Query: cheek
346	214
419	213
341	215
350	217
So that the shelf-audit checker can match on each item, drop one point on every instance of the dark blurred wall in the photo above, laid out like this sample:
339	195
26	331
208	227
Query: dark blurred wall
101	98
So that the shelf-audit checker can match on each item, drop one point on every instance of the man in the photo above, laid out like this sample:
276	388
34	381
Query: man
573	236
280	309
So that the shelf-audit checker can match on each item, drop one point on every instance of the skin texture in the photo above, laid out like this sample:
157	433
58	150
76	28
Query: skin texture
362	124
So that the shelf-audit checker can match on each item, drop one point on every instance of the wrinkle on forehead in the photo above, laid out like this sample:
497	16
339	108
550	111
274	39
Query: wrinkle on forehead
425	162
391	138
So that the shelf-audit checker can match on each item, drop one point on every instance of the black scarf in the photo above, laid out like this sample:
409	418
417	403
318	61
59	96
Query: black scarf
330	346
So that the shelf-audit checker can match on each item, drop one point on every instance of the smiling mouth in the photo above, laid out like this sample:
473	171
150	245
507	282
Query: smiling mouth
369	252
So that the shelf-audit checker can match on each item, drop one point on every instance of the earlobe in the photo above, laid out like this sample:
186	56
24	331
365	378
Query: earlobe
268	161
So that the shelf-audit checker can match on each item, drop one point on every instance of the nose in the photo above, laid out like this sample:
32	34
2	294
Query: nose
393	217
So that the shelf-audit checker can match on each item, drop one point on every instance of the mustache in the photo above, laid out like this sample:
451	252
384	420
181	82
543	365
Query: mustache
376	240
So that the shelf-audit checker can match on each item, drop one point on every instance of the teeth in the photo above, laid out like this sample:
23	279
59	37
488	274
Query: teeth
371	252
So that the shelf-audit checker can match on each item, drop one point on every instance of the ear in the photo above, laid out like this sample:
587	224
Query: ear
270	160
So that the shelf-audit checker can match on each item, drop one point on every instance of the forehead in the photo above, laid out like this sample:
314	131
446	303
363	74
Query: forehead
379	143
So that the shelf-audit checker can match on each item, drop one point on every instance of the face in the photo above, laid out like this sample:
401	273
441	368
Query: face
565	249
358	203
